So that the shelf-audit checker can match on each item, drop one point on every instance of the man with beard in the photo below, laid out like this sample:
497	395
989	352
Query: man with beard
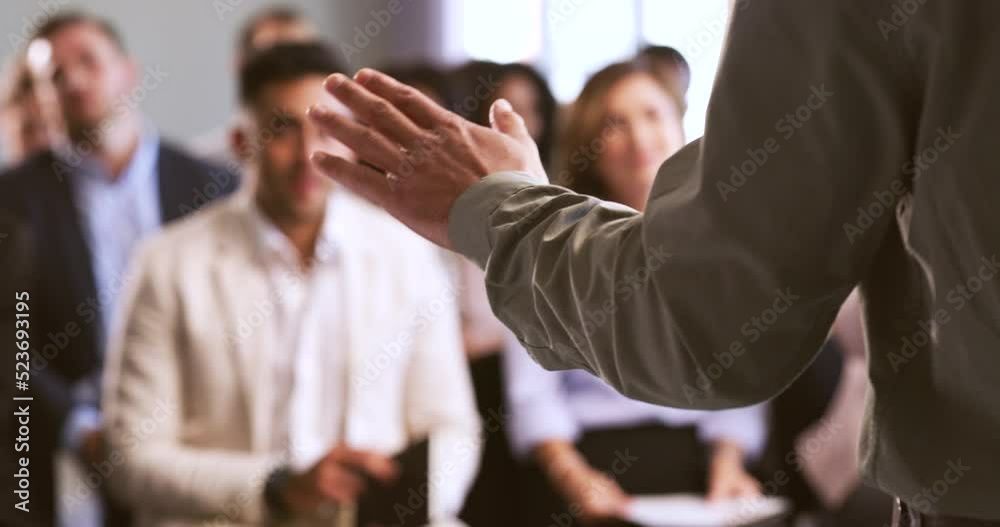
84	206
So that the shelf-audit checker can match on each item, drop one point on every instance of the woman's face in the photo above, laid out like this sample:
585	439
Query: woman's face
646	129
520	91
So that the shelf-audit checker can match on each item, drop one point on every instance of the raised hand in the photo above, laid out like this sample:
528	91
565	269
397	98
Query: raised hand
417	158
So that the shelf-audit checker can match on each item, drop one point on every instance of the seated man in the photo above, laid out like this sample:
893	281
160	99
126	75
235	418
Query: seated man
277	349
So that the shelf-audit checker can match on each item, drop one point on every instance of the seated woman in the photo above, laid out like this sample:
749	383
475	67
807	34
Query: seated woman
593	446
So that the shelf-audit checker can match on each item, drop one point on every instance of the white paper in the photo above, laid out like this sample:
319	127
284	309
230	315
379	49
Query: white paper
689	510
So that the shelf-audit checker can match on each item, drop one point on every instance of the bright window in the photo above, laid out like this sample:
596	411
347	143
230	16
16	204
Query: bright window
568	40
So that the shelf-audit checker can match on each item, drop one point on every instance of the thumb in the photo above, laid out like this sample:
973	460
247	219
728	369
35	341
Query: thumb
504	119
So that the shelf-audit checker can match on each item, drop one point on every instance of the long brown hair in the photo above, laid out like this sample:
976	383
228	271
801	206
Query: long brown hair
586	125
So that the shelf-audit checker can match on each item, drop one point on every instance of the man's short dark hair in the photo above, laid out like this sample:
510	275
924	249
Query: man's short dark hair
282	63
286	14
71	18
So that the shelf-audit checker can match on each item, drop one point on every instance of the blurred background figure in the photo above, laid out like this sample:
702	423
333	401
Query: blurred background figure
429	79
817	429
528	92
29	119
571	426
270	26
470	90
266	28
626	122
80	200
671	66
90	200
311	305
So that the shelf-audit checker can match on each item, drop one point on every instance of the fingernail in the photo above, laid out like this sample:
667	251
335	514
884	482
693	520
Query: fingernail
318	110
319	156
503	105
364	75
334	81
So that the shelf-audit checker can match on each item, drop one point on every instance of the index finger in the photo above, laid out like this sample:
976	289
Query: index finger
420	108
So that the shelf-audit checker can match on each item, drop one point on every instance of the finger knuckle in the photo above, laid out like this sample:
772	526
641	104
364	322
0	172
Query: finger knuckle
381	109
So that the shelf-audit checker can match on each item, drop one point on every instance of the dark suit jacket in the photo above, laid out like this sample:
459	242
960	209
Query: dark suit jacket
39	199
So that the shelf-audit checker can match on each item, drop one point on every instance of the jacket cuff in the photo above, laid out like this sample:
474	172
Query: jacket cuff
468	221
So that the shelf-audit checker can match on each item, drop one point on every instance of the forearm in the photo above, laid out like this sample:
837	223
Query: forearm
196	483
559	459
726	452
611	296
721	293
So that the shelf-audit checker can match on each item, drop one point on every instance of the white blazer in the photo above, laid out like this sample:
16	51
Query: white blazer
182	397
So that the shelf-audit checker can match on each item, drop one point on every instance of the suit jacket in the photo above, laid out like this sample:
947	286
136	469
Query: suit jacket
205	458
847	142
60	282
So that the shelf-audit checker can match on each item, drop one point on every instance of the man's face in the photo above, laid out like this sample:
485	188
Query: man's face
90	74
278	144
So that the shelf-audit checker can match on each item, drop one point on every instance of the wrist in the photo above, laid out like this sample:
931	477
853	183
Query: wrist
727	452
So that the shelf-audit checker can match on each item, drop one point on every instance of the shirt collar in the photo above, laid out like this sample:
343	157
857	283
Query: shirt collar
139	169
273	246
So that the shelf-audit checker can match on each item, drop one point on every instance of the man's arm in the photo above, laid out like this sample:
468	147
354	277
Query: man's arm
143	412
724	290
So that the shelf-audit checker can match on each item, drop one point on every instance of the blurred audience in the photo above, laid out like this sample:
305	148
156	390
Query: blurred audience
671	66
470	90
430	80
265	28
625	123
29	118
592	446
528	92
85	205
275	25
291	336
270	355
828	450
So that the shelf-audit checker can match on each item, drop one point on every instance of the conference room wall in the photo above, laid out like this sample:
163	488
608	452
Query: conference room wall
191	43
